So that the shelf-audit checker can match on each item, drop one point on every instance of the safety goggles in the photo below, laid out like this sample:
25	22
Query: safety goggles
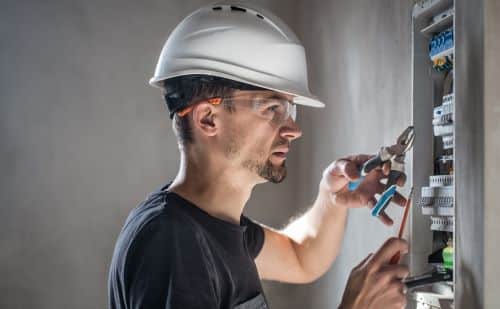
277	110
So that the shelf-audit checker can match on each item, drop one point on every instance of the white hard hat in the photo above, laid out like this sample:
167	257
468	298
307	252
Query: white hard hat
240	42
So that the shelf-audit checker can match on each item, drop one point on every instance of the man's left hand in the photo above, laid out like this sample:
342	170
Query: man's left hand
338	174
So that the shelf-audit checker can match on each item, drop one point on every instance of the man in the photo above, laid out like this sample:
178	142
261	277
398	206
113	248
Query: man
232	76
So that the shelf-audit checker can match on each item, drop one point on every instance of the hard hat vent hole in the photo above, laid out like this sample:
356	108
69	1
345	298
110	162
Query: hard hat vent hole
235	8
217	8
260	16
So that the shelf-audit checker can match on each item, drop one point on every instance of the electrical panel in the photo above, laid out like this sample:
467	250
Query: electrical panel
433	101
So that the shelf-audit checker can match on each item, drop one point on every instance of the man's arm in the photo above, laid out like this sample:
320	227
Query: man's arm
306	248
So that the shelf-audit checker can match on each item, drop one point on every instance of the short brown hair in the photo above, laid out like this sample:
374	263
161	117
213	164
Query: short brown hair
181	92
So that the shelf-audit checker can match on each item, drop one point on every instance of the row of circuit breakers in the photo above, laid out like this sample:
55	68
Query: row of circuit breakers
437	200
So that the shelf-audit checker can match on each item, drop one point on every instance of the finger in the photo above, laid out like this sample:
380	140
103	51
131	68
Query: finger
401	180
371	202
388	249
395	272
379	188
339	173
399	199
371	185
333	175
373	178
386	168
404	289
397	290
376	175
350	170
360	159
385	218
355	163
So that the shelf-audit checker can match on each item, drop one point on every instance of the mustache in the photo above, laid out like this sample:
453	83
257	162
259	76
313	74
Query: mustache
282	142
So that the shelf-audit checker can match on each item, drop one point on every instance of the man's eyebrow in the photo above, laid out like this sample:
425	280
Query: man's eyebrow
273	96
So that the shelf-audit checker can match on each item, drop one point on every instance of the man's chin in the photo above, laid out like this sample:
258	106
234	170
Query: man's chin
273	172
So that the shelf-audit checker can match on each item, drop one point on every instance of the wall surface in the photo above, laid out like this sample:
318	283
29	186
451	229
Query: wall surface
84	138
492	149
359	59
469	177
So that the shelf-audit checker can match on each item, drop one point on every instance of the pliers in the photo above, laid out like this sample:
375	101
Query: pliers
396	155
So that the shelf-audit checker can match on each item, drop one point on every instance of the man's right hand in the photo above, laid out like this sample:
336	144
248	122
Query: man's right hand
375	283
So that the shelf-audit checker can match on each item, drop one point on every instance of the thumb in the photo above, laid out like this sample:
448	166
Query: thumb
339	173
351	170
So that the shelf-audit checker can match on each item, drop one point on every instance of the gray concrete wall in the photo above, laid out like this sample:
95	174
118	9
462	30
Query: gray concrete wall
359	58
84	138
492	149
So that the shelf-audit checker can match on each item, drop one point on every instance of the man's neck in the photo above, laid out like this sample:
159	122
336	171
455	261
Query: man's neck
217	190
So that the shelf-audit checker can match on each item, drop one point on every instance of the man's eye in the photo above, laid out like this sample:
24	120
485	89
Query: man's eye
276	106
273	108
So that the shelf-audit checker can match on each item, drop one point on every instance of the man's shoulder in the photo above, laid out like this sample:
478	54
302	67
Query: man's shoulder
160	215
156	229
158	245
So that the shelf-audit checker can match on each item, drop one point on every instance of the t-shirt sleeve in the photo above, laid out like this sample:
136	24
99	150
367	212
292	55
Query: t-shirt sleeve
166	268
254	236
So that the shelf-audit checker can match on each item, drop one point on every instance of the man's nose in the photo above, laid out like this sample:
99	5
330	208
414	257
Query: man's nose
290	130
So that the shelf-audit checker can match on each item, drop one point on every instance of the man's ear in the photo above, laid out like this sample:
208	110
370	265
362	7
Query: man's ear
204	118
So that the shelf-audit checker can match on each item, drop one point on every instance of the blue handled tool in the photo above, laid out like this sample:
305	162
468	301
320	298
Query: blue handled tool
395	154
383	201
368	166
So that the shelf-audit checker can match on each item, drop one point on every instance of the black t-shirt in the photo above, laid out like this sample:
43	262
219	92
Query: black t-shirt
172	254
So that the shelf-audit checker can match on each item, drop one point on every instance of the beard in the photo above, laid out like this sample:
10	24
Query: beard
271	172
265	169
